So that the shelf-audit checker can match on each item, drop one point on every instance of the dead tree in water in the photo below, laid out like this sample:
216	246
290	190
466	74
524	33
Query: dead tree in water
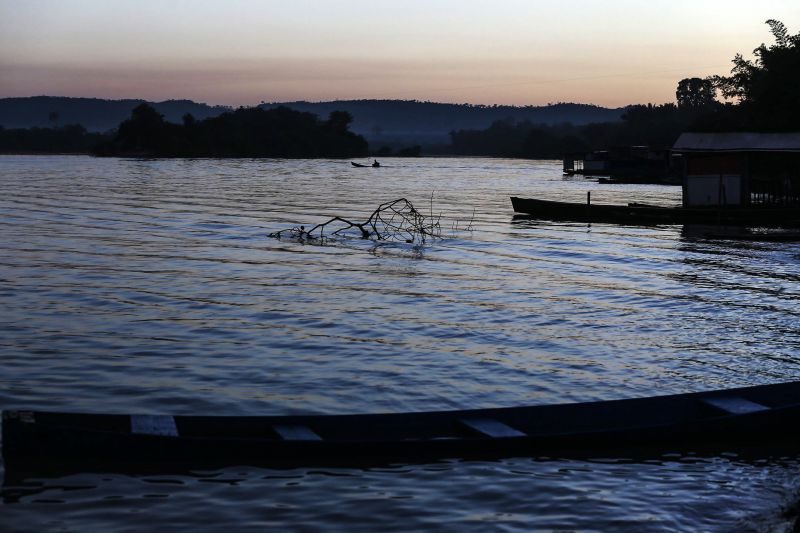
397	220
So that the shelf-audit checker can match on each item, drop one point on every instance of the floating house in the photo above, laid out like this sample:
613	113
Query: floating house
624	164
740	169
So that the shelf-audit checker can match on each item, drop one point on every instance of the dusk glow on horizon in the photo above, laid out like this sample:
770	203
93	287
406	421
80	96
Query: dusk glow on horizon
242	52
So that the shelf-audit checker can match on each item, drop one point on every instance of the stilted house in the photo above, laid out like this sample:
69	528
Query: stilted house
625	164
740	169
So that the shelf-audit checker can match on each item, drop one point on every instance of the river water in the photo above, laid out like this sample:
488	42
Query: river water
151	286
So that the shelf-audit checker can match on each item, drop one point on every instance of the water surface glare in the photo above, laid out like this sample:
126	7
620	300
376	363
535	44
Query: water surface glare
151	286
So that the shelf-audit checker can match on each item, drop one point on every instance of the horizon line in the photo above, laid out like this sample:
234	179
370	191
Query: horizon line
264	102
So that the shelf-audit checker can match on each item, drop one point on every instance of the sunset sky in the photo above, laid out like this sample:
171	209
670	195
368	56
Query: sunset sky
240	52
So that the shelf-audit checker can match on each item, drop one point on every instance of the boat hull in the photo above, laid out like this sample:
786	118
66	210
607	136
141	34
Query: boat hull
637	214
767	418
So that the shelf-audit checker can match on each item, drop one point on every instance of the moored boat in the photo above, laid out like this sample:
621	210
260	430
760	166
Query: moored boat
639	214
758	417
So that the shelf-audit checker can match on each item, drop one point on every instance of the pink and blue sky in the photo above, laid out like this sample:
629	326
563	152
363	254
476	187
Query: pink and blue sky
241	52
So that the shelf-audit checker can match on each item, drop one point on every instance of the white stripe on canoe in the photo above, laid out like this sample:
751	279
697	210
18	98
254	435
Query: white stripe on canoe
735	405
295	432
491	427
154	425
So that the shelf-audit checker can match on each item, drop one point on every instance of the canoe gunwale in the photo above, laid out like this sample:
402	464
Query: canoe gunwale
608	428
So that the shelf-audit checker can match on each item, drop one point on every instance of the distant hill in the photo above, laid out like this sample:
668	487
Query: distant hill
94	114
407	121
391	122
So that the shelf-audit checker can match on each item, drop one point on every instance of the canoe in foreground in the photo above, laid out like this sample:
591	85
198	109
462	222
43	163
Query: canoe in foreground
763	417
653	215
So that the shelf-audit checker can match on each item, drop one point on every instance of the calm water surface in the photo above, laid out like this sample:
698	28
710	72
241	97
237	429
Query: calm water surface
151	286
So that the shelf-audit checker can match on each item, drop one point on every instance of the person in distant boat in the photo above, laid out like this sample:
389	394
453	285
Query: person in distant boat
375	163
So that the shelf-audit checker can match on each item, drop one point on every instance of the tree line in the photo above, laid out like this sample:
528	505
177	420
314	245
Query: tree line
650	125
245	132
95	114
69	139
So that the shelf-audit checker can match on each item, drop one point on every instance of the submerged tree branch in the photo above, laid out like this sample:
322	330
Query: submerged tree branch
397	220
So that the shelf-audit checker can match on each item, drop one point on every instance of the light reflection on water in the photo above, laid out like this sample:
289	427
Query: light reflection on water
668	494
150	286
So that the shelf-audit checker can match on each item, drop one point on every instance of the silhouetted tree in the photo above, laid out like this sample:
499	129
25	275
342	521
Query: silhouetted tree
144	132
53	117
767	88
695	93
340	120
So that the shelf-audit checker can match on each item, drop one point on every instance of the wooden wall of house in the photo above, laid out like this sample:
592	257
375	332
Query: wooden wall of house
715	164
715	179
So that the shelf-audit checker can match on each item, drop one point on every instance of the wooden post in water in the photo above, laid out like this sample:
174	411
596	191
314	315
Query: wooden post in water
588	206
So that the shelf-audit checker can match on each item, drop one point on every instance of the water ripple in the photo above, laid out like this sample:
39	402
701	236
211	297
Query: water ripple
150	286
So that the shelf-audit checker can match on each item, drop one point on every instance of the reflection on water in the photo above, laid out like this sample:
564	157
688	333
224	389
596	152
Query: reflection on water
669	494
150	286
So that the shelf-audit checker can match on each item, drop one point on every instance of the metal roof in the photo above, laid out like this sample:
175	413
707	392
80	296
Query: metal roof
738	142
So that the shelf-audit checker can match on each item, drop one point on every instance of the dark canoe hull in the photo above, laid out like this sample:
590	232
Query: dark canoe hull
653	215
761	418
359	165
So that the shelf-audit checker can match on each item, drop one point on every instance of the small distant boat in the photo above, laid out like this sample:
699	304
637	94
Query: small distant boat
643	214
359	165
765	417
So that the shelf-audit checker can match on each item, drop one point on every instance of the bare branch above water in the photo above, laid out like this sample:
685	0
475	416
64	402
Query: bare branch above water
397	220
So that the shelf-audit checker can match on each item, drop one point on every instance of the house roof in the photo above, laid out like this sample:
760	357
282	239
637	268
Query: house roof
738	142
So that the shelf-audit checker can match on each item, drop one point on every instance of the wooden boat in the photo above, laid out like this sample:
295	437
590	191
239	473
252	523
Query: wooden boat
760	418
641	214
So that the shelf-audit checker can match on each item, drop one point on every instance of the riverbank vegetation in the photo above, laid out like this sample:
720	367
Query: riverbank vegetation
245	132
70	139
